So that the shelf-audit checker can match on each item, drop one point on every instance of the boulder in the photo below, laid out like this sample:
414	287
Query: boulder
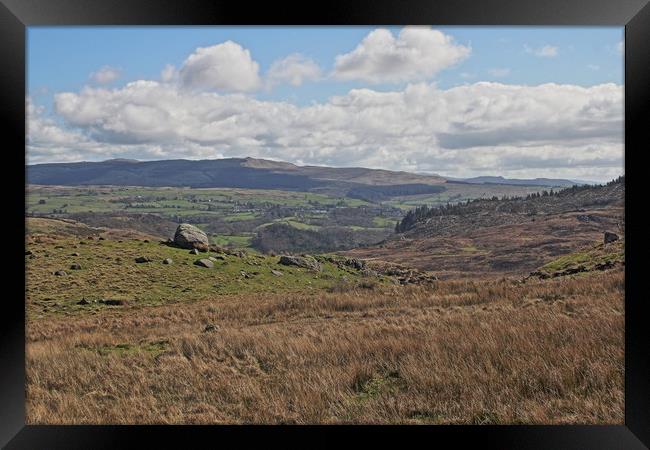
60	273
610	237
277	273
204	262
307	262
142	259
75	266
190	237
167	261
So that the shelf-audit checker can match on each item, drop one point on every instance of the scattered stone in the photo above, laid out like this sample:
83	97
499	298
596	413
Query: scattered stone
219	257
210	328
59	247
28	252
194	251
101	238
610	237
167	261
307	262
142	259
90	238
204	262
60	273
277	273
75	266
83	301
146	240
190	237
75	254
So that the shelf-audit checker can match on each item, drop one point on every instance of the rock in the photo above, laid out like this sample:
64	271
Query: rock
308	262
101	238
209	328
75	266
90	238
83	301
358	264
146	241
219	257
277	273
204	262
194	251
190	237
28	252
60	273
113	301
142	259
610	237
75	254
167	261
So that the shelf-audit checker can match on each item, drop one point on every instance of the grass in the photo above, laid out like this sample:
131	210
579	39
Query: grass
108	271
588	259
492	351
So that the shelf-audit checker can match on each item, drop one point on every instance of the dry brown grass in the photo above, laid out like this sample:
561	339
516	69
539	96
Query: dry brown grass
488	351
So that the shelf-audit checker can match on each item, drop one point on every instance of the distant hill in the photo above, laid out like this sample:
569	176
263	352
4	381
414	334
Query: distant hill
550	182
230	173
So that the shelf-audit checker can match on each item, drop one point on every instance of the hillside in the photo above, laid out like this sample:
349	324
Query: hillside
228	173
508	235
250	340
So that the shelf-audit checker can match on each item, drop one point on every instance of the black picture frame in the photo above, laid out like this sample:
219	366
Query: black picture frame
634	15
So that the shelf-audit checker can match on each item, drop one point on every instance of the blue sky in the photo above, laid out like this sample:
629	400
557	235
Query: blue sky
63	60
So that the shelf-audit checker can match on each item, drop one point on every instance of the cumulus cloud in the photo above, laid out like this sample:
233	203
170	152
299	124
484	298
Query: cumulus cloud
105	75
169	73
417	53
294	69
493	128
225	67
546	51
499	72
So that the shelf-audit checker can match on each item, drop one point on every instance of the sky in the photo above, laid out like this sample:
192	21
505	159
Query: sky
519	102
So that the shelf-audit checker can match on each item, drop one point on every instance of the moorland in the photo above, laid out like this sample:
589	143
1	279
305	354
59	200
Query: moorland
352	296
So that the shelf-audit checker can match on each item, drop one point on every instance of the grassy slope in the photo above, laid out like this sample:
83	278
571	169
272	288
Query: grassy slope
109	271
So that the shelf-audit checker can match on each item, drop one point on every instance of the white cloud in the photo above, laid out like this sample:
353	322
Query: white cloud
546	51
226	67
560	130
417	53
499	72
105	75
169	73
294	69
593	67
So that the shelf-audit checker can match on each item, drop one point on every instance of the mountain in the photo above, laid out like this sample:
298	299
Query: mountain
231	173
550	182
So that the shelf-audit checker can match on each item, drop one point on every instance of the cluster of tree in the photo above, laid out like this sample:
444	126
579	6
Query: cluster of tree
383	192
514	204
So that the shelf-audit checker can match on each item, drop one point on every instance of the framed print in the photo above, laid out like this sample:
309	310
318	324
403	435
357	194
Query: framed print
417	217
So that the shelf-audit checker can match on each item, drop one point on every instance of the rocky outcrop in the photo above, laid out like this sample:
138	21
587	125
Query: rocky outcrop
307	262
